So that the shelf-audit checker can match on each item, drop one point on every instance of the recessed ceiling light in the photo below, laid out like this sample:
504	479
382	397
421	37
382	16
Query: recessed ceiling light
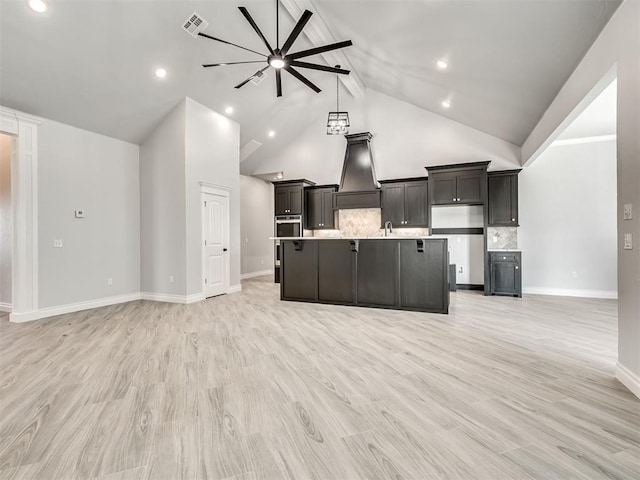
228	110
442	64
161	72
446	104
271	133
39	6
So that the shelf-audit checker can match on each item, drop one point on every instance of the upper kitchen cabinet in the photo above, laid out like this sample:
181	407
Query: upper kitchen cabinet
464	184
289	196
404	203
503	198
319	212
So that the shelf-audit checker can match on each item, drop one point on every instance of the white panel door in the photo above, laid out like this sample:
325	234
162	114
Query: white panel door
215	227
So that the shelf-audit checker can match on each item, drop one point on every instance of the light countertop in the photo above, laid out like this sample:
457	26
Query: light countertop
353	238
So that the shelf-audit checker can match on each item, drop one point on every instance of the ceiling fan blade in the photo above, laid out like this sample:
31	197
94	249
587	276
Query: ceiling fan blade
313	66
297	74
306	15
247	15
229	63
278	83
240	85
229	43
314	51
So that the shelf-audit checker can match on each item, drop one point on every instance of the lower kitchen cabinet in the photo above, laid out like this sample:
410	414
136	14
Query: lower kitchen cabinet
505	273
336	269
378	273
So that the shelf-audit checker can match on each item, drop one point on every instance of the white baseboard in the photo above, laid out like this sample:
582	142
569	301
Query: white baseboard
172	298
261	273
72	307
565	292
235	288
628	379
5	307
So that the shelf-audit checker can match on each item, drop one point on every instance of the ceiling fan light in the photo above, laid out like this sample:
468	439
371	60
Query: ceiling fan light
276	62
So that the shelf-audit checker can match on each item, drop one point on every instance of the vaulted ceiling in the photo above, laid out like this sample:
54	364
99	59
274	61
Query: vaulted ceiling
91	63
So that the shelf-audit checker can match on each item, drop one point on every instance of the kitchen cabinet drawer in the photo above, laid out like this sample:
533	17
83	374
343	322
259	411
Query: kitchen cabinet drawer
504	257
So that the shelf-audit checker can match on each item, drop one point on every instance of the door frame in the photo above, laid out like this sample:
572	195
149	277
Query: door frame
24	207
212	189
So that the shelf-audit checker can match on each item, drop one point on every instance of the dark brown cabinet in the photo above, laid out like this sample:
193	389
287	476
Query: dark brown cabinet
289	197
458	184
319	213
405	203
505	273
503	198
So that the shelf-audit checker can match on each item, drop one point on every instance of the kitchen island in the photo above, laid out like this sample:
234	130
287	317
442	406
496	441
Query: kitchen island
404	273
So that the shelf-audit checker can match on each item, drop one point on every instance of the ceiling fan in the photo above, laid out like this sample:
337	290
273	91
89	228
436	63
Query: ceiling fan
279	58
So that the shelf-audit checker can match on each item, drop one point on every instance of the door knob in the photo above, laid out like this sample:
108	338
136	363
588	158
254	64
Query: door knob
224	249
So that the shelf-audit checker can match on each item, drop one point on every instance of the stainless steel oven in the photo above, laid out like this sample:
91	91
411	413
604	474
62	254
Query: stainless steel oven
288	226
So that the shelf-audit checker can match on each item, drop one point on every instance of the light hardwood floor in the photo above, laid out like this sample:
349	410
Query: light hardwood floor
247	387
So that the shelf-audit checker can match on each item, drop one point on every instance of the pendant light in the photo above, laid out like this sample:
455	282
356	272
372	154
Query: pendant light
338	122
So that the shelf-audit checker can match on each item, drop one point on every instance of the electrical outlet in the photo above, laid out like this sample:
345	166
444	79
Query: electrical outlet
170	278
79	213
495	239
628	211
628	241
574	275
461	270
261	262
57	243
109	281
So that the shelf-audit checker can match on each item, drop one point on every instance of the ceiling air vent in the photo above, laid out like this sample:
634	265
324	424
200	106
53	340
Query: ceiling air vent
194	24
258	77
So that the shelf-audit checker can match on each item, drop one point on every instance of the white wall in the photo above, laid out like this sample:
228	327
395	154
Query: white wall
6	223
617	46
256	225
163	246
405	140
212	156
567	208
78	169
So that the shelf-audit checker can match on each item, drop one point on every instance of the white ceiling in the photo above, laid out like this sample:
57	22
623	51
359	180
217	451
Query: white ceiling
90	63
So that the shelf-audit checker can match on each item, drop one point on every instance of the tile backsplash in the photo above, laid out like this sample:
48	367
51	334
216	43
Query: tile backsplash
506	237
365	222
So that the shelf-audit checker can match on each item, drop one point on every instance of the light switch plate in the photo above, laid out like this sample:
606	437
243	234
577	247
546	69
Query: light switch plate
79	213
628	241
628	211
57	243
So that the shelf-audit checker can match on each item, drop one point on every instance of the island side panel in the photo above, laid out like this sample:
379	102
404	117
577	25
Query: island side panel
336	270
423	275
298	270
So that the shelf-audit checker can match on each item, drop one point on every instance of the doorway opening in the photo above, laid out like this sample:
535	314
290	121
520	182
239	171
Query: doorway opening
8	146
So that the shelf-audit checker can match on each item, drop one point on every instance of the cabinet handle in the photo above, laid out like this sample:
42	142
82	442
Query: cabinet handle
513	219
504	258
454	199
458	199
516	267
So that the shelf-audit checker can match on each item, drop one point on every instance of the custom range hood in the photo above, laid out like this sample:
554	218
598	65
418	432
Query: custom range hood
359	187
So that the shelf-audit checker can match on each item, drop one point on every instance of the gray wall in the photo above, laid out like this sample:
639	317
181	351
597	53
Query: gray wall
6	223
567	203
617	46
163	246
212	156
78	169
256	225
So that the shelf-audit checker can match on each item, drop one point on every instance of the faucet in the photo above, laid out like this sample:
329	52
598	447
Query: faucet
388	228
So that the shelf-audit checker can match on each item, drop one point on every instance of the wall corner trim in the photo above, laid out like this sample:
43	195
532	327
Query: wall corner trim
72	307
261	273
234	289
564	292
172	298
628	379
